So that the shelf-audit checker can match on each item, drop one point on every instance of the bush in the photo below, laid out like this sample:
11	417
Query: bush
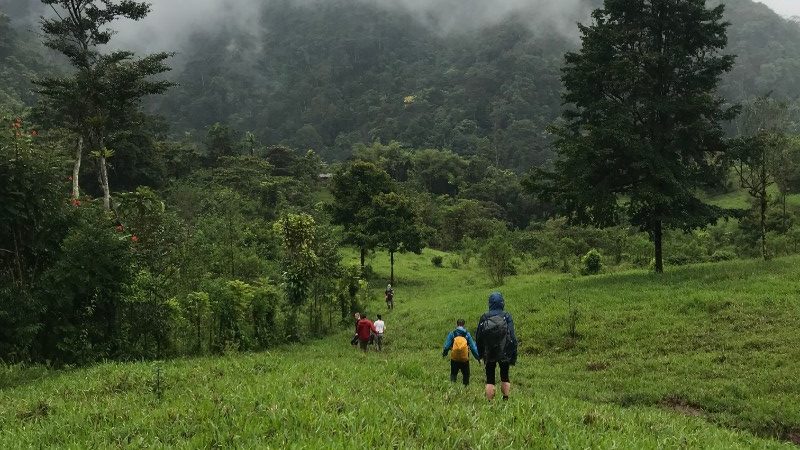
496	257
591	263
83	291
266	300
147	319
230	307
437	261
723	255
196	312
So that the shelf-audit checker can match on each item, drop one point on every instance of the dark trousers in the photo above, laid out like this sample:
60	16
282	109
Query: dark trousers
490	372
463	366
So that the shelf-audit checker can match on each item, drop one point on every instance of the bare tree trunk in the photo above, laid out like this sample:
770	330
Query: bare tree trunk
18	256
763	213
104	183
391	258
658	243
76	169
784	218
104	175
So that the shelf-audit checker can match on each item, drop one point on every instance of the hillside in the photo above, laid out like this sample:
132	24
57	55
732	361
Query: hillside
19	62
327	75
700	357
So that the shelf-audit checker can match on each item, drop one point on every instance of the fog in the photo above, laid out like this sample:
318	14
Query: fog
173	23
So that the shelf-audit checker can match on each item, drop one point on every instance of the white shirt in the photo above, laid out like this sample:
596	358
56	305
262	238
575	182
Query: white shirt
380	326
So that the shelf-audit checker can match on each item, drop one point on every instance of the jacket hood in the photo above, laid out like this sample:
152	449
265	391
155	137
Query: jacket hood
496	302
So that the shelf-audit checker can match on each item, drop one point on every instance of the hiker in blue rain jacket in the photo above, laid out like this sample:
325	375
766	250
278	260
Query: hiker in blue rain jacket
497	344
461	343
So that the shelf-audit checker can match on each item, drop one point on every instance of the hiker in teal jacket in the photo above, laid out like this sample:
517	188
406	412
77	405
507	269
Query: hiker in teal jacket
460	361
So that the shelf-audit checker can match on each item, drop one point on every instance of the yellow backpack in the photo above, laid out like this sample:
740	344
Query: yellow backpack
460	351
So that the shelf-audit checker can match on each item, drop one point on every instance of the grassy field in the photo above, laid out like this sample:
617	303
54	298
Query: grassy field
703	356
739	199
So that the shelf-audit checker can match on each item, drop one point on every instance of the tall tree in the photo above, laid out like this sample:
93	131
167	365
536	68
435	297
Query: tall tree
392	219
760	151
300	261
353	188
106	89
642	132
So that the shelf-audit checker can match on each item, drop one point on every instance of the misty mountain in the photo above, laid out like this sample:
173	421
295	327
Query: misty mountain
328	74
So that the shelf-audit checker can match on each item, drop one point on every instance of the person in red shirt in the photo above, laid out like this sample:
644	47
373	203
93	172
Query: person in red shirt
364	328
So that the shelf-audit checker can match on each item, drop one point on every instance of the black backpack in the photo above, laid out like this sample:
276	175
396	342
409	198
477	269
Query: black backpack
494	336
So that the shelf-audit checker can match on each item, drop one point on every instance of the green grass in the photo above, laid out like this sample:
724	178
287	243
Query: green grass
703	356
739	199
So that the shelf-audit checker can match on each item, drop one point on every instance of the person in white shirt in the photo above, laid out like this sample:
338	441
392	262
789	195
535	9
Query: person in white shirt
380	326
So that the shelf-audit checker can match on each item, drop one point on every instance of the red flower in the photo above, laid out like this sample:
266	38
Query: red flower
135	238
34	133
75	202
119	228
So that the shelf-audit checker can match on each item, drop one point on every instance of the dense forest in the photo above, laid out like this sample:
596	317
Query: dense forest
150	212
327	75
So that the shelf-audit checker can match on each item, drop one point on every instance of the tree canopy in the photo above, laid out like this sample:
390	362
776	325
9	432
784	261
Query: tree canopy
643	126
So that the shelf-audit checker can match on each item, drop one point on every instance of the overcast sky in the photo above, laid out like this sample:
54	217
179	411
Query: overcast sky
784	7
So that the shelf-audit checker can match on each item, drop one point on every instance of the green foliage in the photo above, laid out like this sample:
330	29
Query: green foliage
497	258
102	96
34	218
353	188
393	221
82	292
19	62
220	141
437	260
265	310
438	172
464	219
649	334
723	255
760	154
591	263
348	288
148	320
196	312
616	161
230	308
298	232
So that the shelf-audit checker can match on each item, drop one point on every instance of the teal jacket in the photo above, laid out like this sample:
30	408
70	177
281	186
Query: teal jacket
460	331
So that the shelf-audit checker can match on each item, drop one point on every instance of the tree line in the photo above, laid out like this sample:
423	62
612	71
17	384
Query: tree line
119	240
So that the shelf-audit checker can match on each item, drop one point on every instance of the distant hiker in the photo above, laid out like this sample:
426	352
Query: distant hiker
461	343
364	329
389	293
380	326
354	341
497	343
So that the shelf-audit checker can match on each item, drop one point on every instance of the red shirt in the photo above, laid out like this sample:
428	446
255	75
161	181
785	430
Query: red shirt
363	329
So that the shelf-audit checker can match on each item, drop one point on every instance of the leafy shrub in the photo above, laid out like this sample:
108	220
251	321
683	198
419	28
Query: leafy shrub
266	300
437	261
497	258
591	263
455	263
677	260
196	313
230	308
83	290
723	255
147	319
